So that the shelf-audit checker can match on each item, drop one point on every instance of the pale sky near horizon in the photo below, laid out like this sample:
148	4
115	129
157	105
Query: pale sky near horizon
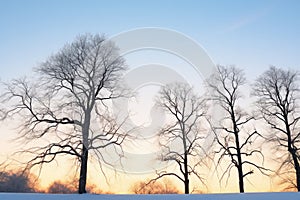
251	34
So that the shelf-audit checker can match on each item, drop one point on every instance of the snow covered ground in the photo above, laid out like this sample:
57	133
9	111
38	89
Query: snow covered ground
249	196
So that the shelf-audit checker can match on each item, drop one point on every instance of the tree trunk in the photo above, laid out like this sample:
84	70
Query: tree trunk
241	177
84	153
186	185
239	165
293	152
186	175
297	168
83	170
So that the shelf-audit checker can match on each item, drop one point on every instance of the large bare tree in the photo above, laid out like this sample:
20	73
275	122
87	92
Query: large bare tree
66	104
181	137
277	93
233	135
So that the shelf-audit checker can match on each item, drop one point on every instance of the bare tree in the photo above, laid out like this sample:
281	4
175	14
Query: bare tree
181	136
233	138
277	93
67	103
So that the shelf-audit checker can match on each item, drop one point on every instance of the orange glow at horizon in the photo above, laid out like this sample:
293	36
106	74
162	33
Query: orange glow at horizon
121	183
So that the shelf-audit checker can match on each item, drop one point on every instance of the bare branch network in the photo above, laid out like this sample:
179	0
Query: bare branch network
67	100
66	110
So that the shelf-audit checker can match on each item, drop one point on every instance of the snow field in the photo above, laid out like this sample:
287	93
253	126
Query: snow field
247	196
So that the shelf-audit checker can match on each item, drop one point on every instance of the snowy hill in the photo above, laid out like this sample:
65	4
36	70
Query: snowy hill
249	196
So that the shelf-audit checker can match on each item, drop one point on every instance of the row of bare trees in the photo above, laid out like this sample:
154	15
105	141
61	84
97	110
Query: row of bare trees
68	104
277	98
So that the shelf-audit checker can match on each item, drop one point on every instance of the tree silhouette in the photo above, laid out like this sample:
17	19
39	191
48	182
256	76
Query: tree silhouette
66	104
181	137
233	138
277	93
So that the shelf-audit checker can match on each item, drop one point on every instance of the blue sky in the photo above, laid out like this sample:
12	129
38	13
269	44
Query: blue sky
250	34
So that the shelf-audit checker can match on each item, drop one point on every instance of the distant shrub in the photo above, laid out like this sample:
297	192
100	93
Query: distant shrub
19	182
58	187
162	187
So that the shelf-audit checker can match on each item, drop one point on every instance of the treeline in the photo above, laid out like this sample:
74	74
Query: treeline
58	109
271	116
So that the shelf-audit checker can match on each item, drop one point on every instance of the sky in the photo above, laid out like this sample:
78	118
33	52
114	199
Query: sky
249	34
